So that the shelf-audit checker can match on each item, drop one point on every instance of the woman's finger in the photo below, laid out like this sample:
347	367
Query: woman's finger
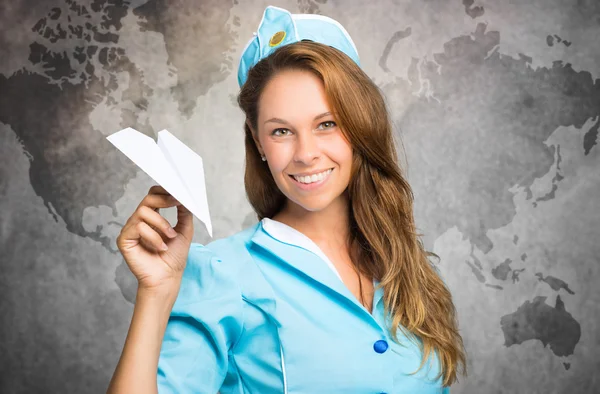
157	189
155	201
150	236
146	211
155	220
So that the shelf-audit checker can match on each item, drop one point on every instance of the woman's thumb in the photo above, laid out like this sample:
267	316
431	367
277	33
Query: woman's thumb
185	222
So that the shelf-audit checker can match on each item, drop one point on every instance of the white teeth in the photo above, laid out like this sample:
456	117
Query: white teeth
312	178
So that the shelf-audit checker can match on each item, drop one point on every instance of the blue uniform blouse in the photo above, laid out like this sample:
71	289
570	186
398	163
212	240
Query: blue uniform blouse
264	311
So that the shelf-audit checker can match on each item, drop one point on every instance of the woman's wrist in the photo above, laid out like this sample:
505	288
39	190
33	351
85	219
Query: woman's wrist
167	292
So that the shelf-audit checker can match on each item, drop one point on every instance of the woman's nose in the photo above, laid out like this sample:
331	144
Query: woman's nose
307	148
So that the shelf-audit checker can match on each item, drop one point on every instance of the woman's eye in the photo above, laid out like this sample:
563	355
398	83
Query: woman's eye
330	122
276	130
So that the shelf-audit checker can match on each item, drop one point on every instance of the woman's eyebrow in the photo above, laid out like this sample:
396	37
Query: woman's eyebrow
278	120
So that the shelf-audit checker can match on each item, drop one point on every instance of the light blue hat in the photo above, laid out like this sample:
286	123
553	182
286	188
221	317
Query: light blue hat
279	27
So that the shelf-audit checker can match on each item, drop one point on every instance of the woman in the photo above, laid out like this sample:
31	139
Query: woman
331	291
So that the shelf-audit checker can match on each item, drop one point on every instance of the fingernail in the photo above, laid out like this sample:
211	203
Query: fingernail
164	246
171	232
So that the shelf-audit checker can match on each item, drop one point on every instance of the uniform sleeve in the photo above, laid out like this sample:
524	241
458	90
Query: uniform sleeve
206	320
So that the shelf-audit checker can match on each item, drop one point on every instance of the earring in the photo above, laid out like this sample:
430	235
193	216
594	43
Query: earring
263	158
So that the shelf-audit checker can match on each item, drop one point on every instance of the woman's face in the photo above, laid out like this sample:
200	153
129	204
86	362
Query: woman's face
299	136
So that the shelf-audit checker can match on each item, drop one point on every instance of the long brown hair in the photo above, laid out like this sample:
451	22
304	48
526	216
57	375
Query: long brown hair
384	243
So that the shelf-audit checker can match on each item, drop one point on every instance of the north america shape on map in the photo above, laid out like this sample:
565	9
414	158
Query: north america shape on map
66	151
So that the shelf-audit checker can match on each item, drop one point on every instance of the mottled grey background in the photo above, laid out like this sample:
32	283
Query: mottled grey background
497	103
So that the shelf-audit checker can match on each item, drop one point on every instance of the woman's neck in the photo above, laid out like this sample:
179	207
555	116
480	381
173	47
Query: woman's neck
330	225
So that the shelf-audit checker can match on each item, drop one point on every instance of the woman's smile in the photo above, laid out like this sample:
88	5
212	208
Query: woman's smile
311	183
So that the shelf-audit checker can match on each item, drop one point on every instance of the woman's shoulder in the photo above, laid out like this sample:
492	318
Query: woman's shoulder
223	256
237	241
213	271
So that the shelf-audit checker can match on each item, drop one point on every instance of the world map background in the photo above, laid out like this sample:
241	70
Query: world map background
497	106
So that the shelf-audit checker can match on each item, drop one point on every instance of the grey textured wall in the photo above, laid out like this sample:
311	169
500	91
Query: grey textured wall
497	103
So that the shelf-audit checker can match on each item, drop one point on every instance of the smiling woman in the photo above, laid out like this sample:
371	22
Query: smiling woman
311	109
331	291
310	158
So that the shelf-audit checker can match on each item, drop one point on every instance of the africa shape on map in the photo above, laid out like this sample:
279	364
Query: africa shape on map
66	151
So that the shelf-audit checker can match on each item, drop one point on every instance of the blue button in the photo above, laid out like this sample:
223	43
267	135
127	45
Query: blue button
380	346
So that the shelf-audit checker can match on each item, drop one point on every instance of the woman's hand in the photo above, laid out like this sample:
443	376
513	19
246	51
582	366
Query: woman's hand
144	234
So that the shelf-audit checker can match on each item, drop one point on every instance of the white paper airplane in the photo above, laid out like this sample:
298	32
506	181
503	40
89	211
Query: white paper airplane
172	164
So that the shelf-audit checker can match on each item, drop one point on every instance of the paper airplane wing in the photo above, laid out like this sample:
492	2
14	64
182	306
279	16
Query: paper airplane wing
189	166
146	154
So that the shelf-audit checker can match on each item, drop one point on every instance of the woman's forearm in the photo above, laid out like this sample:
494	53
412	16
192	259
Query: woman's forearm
137	367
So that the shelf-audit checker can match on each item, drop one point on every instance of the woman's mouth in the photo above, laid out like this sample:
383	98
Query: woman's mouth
311	182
